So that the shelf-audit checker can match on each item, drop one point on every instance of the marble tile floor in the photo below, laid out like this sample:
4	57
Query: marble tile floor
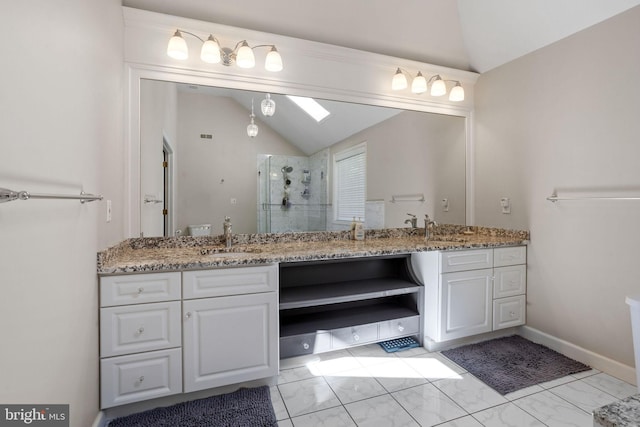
367	387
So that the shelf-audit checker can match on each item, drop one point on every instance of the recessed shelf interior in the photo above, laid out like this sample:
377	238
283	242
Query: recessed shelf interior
334	294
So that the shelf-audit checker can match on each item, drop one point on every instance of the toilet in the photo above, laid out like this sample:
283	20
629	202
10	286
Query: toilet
634	306
199	230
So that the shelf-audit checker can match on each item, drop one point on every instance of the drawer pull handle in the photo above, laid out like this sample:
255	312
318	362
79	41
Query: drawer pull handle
140	330
512	314
305	346
400	328
141	379
188	315
356	337
140	290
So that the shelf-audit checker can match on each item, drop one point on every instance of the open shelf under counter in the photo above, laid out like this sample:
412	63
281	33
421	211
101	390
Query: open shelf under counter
339	292
333	304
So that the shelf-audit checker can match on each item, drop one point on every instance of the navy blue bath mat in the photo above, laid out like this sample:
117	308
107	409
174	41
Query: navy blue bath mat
246	407
513	363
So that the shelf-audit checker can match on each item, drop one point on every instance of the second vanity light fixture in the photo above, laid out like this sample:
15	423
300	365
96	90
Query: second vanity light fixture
212	53
420	84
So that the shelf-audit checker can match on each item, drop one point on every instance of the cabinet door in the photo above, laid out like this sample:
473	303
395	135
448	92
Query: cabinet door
228	340
466	303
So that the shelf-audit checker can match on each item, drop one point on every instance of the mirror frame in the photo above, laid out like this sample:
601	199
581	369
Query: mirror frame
135	73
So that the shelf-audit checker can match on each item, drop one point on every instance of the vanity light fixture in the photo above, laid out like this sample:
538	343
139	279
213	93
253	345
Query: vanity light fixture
212	53
252	128
420	84
268	106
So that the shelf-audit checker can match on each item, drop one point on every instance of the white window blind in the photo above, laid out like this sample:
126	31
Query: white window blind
350	177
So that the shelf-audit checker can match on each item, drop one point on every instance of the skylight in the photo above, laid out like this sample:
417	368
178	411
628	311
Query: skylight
311	107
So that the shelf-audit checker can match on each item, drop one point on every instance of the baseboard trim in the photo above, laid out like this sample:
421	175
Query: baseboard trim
100	420
432	346
588	357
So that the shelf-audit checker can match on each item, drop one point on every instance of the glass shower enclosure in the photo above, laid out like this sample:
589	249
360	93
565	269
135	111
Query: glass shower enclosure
292	193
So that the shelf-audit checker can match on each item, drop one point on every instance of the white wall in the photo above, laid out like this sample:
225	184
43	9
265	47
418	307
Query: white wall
566	117
207	179
60	130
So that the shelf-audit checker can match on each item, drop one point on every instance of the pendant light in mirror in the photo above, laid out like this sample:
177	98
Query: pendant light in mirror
252	128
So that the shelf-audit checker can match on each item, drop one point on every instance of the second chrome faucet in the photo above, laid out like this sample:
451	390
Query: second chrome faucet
228	234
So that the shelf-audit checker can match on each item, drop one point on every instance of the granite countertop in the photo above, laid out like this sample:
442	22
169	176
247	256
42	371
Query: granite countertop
184	253
624	413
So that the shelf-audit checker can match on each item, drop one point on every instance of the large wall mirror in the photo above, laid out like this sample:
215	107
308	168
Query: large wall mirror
198	164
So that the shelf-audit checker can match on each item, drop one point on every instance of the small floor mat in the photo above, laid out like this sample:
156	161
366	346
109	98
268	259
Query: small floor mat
244	407
399	344
513	363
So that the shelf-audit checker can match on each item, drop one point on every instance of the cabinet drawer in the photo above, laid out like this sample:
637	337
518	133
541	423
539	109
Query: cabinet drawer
137	377
466	260
353	335
509	281
399	327
511	255
139	327
298	345
229	281
139	288
508	312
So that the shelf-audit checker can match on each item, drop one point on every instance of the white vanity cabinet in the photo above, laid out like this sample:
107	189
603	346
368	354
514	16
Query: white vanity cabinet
470	292
230	326
140	337
175	332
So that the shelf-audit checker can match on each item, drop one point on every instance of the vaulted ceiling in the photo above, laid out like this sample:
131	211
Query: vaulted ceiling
473	35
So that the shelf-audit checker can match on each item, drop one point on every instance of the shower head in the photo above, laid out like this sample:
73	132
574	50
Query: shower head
287	169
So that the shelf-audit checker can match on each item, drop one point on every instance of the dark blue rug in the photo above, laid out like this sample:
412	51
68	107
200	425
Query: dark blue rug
246	407
512	363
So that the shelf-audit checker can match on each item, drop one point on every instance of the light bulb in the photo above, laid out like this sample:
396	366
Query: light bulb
457	93
210	52
177	48
268	106
399	81
273	61
419	84
438	88
244	57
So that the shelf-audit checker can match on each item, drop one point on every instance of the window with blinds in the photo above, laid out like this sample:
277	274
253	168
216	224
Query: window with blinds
350	178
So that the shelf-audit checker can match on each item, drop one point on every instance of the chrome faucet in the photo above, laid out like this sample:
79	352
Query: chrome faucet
228	234
428	223
413	220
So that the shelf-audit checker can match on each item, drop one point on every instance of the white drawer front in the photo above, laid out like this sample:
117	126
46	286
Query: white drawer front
230	281
133	378
509	281
141	327
508	312
347	337
511	255
466	260
399	327
139	288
